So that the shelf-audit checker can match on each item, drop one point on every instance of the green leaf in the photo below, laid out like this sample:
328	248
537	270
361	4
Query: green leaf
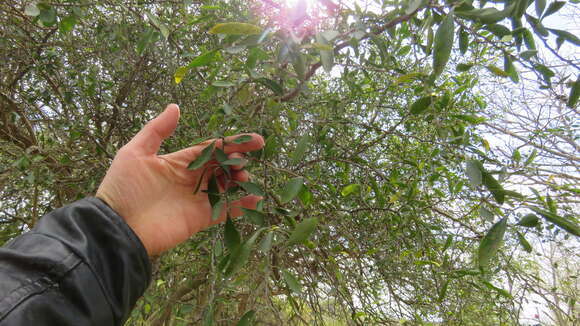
223	83
525	244
408	77
490	243
566	36
443	291
461	67
463	40
180	73
255	216
216	209
235	29
443	44
67	24
203	59
421	105
220	155
251	188
493	186
322	47
233	161
529	220
350	189
299	65
247	318
147	38
162	28
574	94
553	8
266	243
486	15
302	231
498	30
326	56
271	146
291	189
472	119
485	213
47	15
413	5
329	35
32	10
203	158
497	71
510	69
241	255
527	55
272	85
529	40
448	243
565	223
500	291
531	158
305	196
242	139
252	59
208	315
301	149
546	72
291	281
232	237
540	6
473	170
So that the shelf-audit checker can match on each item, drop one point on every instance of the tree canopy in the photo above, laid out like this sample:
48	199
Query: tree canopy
421	160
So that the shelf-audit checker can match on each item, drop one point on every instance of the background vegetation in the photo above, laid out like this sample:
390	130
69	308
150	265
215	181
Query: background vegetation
421	163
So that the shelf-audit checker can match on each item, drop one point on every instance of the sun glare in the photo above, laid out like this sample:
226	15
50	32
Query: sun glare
300	18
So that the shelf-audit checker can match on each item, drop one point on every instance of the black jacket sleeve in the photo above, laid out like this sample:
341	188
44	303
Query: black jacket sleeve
80	265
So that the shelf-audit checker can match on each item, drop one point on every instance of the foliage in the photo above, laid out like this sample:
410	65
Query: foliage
385	202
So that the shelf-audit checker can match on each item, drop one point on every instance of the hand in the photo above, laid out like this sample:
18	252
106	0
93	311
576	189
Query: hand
155	193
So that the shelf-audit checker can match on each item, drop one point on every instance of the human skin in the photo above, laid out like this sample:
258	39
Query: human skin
155	193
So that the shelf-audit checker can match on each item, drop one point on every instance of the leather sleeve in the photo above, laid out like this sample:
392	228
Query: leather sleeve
80	265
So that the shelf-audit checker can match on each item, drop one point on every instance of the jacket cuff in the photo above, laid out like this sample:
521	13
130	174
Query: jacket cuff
107	244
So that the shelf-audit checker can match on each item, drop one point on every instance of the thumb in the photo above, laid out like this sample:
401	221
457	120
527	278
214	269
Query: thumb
149	139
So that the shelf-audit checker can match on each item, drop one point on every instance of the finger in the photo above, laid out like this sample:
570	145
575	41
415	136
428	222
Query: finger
191	153
149	139
235	175
235	207
240	156
254	144
240	175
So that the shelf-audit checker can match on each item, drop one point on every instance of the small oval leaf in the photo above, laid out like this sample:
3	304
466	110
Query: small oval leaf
301	149
565	223
490	243
303	231
421	105
293	283
473	170
232	237
350	189
530	220
235	29
443	44
203	158
291	189
247	318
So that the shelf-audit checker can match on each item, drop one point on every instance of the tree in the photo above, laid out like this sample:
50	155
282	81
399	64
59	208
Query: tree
385	202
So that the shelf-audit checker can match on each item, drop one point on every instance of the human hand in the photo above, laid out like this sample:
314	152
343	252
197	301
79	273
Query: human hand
155	193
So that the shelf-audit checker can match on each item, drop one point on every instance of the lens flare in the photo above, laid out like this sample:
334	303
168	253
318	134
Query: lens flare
298	18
